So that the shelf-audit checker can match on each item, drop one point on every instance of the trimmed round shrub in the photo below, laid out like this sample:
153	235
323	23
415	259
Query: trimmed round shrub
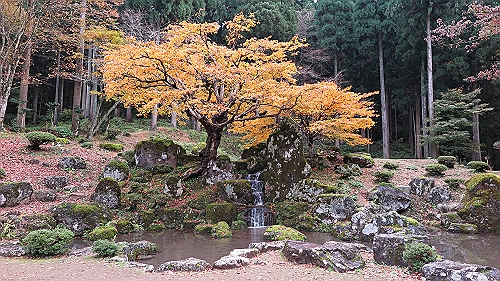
454	183
435	169
390	166
62	132
448	161
347	171
221	230
383	176
3	174
111	146
418	254
38	138
478	166
45	242
105	248
102	232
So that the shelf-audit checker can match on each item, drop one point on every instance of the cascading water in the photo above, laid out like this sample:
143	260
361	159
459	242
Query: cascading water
258	215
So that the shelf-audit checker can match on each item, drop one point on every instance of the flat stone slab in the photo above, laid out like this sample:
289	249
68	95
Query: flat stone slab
454	271
247	253
230	262
189	264
267	246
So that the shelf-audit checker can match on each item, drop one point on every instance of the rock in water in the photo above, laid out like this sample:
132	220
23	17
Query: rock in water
454	271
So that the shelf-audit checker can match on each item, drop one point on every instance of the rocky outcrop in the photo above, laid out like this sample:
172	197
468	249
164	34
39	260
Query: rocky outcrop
390	197
230	262
72	162
454	271
221	212
157	151
45	195
116	170
11	249
308	190
267	246
189	264
388	248
139	250
247	253
421	186
439	195
108	193
482	202
363	160
80	218
236	191
221	170
56	182
339	257
332	208
13	193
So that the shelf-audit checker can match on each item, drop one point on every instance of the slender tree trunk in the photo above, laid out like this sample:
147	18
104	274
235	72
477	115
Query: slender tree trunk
35	107
86	99
154	119
77	88
23	91
128	115
433	149
423	100
173	121
411	129
476	155
56	98
418	130
61	97
383	98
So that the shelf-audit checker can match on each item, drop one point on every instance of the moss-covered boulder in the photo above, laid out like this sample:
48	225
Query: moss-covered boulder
221	230
284	159
80	218
308	190
203	228
171	217
124	226
289	213
235	191
222	169
363	160
13	193
106	232
332	208
482	202
139	250
282	233
108	193
217	212
157	151
72	162
173	186
23	224
466	228
116	170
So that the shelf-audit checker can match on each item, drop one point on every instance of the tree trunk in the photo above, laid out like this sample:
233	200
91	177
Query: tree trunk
154	119
23	91
128	115
77	88
423	101
418	130
173	121
56	98
35	107
209	154
476	155
433	149
98	120
383	101
61	97
86	99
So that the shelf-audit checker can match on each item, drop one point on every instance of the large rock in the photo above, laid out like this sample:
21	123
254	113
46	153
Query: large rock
247	253
267	246
189	264
307	190
390	197
11	249
139	250
157	151
13	193
388	248
338	256
56	182
363	160
283	157
439	195
421	186
236	191
332	208
230	262
116	170
45	195
217	212
72	162
221	170
454	271
108	193
80	218
482	202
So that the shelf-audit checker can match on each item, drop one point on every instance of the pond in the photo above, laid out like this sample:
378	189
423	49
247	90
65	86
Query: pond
481	249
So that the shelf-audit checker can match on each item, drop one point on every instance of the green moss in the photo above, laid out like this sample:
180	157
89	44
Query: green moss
111	146
124	226
203	228
102	232
171	217
390	166
3	174
216	212
221	230
478	166
84	209
87	145
238	225
288	212
283	233
62	141
128	156
462	228
410	221
120	165
156	227
202	199
454	183
488	178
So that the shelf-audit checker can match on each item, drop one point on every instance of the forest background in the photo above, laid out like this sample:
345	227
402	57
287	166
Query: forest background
434	62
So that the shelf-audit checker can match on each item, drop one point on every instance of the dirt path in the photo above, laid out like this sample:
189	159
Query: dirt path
275	267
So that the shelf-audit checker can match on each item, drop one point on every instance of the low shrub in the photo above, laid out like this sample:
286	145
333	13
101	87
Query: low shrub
38	138
105	248
62	132
62	141
221	230
45	242
390	166
454	183
448	161
383	176
111	134
3	174
418	254
348	171
87	145
435	169
102	233
478	166
111	146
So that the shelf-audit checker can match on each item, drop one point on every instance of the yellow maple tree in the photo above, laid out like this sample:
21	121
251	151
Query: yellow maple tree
217	85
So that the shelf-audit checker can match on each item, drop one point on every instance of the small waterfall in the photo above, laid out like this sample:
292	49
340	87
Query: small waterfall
258	215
